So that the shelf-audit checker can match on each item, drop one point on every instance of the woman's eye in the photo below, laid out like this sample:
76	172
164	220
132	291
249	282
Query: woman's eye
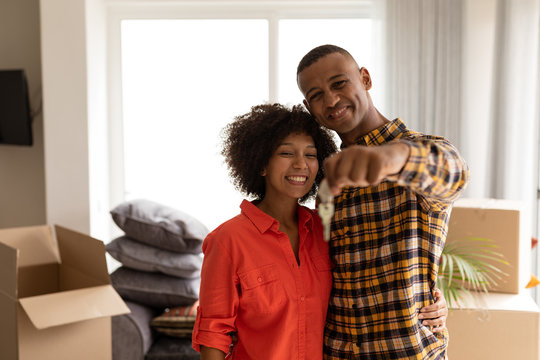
312	155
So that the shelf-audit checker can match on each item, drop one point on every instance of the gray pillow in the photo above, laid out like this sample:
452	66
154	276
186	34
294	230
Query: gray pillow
132	335
139	256
171	348
160	226
154	289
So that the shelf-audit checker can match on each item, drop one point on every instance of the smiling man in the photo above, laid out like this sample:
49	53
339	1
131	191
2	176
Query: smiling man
394	191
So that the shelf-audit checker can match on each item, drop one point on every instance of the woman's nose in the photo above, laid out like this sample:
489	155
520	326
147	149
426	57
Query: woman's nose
300	162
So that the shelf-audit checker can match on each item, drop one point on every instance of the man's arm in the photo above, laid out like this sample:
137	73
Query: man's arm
359	165
430	166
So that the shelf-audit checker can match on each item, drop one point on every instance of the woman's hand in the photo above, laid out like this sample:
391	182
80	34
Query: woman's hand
435	314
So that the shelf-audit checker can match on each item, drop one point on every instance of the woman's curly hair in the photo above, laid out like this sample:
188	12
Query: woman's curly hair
252	138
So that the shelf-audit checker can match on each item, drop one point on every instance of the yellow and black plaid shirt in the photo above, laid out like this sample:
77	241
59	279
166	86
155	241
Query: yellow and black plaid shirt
386	243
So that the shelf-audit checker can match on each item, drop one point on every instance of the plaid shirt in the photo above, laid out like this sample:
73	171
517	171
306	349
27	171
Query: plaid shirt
386	243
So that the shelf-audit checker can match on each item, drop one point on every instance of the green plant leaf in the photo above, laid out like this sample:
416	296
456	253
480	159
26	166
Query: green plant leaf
467	265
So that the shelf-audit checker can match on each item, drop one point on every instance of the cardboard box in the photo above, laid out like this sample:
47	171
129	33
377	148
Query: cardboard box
504	222
56	300
499	327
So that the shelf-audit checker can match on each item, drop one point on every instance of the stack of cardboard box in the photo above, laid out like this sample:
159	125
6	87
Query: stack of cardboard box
505	323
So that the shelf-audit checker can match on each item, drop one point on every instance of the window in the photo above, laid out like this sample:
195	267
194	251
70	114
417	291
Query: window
182	78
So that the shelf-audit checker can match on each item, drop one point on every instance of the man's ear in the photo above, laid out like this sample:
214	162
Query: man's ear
263	173
306	105
366	78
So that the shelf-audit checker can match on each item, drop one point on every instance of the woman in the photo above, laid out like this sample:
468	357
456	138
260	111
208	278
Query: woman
266	274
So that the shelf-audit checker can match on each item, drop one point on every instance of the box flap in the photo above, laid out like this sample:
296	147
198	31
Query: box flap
71	306
8	270
495	204
84	253
498	301
35	243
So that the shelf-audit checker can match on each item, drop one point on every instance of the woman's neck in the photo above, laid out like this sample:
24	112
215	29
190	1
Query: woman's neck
282	211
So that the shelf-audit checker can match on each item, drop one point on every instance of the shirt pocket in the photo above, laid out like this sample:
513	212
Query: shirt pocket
262	290
322	262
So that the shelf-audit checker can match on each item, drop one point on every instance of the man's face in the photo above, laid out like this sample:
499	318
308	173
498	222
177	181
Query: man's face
335	92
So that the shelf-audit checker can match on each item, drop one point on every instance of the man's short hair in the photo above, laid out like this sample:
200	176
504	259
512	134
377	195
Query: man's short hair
320	51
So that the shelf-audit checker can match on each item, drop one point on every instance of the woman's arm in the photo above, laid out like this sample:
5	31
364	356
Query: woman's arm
208	353
435	314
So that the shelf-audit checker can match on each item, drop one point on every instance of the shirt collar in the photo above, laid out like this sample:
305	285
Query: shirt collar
264	222
383	134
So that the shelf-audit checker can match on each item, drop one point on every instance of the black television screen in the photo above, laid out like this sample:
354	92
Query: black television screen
15	116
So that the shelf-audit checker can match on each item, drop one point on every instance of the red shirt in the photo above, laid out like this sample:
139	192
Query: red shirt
252	284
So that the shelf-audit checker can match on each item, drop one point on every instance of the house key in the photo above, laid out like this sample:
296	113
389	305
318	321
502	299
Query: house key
326	207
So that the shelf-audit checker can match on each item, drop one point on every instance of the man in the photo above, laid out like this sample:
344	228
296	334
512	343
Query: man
395	189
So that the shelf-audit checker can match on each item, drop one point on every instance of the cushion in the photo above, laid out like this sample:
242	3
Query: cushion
131	333
177	321
170	348
139	256
160	226
154	289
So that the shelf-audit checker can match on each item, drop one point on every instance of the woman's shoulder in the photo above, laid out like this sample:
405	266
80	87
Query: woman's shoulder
228	230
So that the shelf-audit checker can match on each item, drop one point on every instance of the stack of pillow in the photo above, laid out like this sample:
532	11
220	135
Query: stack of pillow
161	259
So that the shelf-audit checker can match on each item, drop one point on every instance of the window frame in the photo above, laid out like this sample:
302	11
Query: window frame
271	10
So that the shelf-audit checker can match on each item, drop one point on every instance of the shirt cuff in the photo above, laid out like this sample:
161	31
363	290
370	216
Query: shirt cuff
212	333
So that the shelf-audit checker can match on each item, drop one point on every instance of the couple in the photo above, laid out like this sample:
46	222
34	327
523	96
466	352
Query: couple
269	277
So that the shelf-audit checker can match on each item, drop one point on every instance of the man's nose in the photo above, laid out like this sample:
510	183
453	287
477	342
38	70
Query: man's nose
331	98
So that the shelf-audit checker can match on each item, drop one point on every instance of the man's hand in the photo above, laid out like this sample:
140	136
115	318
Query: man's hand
435	314
359	165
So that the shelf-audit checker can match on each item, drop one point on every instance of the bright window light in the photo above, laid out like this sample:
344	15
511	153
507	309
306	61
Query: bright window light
184	80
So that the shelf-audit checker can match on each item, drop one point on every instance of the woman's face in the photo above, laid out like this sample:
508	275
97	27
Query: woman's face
292	168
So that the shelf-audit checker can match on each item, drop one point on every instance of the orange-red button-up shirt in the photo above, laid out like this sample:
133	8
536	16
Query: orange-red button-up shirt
252	284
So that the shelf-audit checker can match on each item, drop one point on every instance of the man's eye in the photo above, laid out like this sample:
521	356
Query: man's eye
339	84
314	96
285	153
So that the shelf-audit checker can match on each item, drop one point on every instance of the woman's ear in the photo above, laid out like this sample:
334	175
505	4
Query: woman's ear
263	173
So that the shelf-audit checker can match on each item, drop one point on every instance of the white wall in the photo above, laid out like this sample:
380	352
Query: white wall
73	62
22	181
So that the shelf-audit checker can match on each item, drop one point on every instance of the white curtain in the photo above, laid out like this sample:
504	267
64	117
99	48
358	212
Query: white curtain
514	109
423	64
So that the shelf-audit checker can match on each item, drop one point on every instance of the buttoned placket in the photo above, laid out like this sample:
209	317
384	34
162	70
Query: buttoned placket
297	272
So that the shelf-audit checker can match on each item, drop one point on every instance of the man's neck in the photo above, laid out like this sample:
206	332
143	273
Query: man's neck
373	120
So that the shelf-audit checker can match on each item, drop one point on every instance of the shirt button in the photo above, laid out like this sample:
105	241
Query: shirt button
302	298
259	279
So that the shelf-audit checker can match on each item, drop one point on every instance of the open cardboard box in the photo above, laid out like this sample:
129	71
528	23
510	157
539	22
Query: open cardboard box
56	300
507	225
495	326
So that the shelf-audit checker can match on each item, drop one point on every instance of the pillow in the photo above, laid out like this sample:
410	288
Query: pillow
160	226
132	335
154	289
177	321
139	256
170	348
